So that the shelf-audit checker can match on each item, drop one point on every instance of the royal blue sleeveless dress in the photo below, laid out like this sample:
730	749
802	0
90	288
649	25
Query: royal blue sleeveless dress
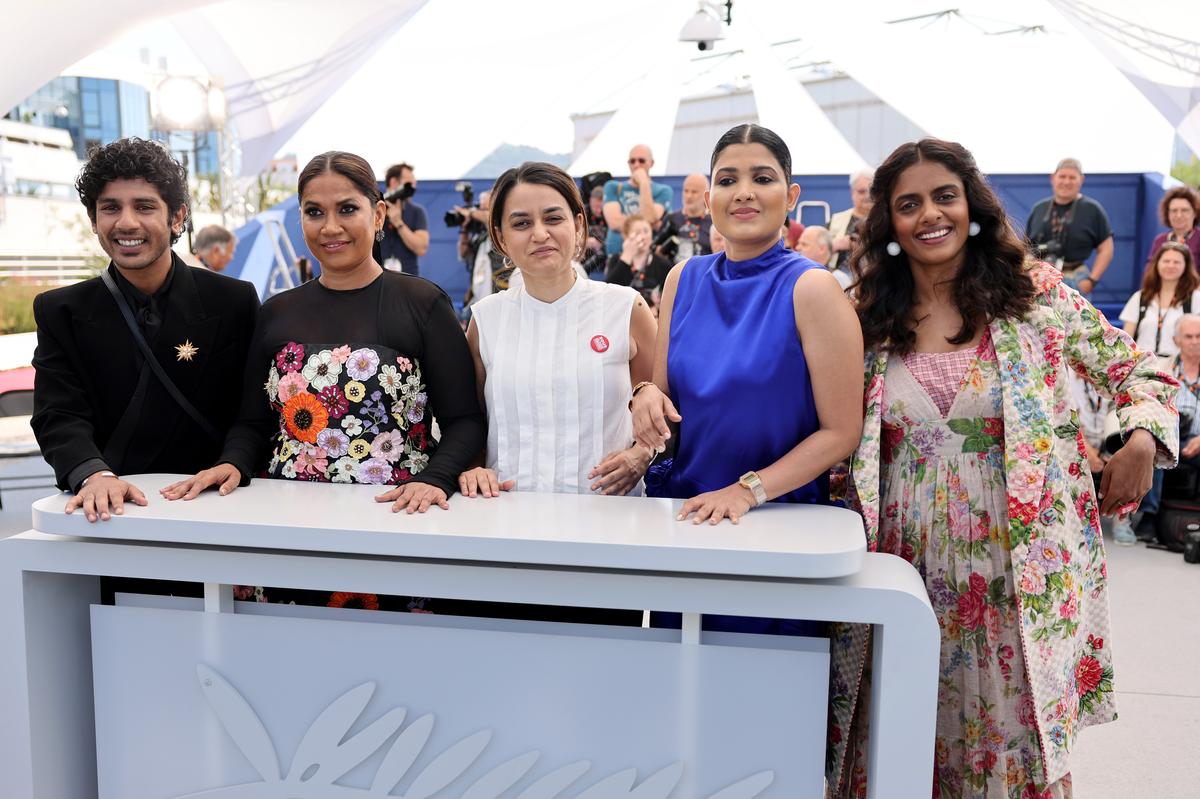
740	381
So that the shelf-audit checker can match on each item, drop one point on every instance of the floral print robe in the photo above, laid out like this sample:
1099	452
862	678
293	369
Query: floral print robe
1052	509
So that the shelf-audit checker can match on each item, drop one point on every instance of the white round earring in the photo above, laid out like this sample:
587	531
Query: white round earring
973	229
893	249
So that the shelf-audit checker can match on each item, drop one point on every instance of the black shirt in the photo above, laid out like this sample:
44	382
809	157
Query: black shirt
148	309
692	232
644	282
396	312
1079	227
414	217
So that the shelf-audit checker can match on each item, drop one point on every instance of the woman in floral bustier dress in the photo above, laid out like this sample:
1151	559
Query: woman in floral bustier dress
346	373
972	468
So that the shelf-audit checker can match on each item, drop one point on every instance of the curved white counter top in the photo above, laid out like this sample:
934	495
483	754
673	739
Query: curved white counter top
633	533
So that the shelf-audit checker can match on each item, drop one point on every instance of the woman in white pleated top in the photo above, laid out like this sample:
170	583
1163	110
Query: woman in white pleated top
557	357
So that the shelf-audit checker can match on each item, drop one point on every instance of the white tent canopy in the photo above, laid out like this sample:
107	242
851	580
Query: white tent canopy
449	84
44	38
279	61
786	108
272	90
647	118
1019	102
1159	53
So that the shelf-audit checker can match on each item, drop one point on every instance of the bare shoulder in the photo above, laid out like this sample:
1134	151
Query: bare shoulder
673	276
817	287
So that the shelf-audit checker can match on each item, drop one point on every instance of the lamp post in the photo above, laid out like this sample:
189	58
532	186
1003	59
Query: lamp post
184	103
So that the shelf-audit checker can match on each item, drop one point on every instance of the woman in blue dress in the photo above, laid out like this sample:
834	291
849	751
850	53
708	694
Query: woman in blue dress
758	358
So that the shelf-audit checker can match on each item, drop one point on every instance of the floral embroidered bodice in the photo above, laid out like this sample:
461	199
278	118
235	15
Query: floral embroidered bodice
348	414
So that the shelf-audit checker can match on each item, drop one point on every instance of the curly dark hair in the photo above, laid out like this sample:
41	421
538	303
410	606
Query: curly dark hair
130	159
992	284
1178	193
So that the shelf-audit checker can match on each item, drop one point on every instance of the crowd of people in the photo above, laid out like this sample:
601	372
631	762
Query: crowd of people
726	377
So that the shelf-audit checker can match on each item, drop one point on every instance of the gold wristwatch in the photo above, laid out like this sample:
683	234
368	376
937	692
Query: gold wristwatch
752	481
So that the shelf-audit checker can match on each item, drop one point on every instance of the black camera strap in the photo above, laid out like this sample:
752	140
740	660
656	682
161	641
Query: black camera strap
152	362
1068	217
1145	306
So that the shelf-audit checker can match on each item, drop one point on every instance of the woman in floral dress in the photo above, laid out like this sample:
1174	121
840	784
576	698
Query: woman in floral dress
346	372
972	468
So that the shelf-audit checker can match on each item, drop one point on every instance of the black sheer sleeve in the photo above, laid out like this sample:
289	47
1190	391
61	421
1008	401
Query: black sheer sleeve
247	443
450	379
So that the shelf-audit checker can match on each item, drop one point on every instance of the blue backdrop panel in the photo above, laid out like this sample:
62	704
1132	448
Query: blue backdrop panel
1130	199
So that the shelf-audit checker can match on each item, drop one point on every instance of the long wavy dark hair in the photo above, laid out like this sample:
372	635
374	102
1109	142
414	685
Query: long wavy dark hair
1188	281
992	284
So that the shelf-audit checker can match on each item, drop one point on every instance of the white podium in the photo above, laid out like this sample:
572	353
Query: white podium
162	697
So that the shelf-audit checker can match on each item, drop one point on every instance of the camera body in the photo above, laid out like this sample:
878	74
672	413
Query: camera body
401	192
666	242
1050	250
454	218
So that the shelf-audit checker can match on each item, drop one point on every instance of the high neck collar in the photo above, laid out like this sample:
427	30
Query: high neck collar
773	256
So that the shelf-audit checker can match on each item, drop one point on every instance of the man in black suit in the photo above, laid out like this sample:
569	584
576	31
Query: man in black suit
100	411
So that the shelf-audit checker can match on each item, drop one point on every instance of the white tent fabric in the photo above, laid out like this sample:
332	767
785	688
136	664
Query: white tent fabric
42	39
647	118
1014	100
1020	102
273	90
784	106
1173	88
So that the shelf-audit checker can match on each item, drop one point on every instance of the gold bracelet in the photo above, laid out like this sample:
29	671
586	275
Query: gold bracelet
638	388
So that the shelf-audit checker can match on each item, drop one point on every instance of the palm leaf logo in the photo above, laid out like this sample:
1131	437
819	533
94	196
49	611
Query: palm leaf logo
325	754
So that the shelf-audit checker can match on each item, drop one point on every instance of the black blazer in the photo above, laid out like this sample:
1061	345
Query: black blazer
87	366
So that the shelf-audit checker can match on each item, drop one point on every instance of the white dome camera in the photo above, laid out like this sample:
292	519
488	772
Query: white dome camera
704	27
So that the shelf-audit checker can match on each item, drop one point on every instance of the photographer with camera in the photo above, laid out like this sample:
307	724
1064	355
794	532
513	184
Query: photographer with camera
1065	228
597	230
686	232
406	229
486	269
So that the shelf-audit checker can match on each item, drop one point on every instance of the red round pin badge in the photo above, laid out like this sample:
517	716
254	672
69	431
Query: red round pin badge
599	343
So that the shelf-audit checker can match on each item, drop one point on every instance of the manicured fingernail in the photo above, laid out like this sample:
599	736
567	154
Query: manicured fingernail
679	518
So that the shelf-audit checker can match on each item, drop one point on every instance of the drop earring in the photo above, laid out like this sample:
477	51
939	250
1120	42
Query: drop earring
893	249
973	229
379	235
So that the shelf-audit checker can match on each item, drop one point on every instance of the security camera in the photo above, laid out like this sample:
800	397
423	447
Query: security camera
704	27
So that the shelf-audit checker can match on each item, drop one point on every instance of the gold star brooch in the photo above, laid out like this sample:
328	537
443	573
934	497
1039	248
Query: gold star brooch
186	350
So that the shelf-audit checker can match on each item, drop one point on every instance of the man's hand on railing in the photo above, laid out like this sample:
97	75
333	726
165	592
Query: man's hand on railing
225	475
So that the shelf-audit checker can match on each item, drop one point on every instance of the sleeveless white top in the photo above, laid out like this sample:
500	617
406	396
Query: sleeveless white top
557	387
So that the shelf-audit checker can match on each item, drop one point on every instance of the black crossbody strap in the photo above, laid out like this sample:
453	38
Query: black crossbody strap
153	363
